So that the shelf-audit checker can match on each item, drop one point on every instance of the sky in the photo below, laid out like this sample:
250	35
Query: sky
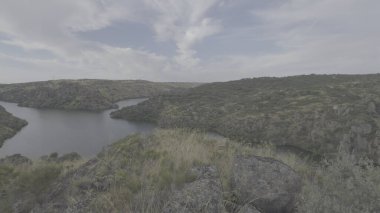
186	40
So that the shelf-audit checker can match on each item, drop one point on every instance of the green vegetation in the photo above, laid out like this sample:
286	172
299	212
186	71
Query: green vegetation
344	184
297	144
143	173
9	125
83	94
25	183
310	114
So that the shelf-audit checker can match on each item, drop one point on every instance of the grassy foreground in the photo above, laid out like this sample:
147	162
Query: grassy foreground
138	174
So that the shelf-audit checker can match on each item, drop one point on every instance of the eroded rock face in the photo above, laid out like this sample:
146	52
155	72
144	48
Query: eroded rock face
267	184
202	195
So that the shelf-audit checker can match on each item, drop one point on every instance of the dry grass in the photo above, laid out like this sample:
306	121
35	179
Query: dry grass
26	184
144	170
342	185
159	163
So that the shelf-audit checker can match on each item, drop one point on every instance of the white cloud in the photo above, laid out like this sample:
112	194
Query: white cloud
325	36
52	25
184	22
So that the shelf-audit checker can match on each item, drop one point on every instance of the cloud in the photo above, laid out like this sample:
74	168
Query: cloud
52	25
327	36
185	23
271	38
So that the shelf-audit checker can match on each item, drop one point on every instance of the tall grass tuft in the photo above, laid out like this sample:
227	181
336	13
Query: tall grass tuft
342	185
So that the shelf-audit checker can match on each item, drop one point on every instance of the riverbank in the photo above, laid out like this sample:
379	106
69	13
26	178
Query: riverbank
9	125
68	131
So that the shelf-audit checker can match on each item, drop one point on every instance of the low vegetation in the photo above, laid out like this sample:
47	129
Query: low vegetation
310	114
83	94
343	184
297	144
142	173
23	185
9	125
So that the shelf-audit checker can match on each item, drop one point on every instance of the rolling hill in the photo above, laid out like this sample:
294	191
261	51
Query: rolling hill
314	114
92	95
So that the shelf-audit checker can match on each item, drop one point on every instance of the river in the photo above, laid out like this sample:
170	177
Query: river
63	132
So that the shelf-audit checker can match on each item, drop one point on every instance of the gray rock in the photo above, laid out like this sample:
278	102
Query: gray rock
342	110
202	195
265	183
362	128
371	108
248	209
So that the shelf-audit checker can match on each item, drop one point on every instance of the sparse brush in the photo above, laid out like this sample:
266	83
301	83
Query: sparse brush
139	173
344	184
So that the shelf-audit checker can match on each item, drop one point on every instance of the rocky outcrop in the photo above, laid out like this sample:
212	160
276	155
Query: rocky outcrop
202	195
138	174
265	184
248	209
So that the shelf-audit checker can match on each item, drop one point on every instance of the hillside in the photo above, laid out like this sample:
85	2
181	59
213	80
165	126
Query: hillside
186	171
311	114
90	95
9	125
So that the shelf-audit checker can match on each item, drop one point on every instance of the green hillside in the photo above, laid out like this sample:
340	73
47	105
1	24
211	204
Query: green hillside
307	114
9	125
90	95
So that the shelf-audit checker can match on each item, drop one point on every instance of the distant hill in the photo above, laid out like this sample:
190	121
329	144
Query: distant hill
9	125
90	95
313	114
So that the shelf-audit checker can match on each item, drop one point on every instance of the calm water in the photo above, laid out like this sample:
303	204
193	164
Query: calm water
68	131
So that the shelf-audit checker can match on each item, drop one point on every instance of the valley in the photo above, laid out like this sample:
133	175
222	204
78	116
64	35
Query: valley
311	115
263	145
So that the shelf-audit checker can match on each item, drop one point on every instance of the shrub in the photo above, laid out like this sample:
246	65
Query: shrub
344	184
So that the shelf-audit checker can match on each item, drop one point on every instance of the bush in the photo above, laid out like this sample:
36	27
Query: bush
344	184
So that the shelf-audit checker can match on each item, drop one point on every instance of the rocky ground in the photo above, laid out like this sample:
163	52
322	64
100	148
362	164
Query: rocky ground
185	171
9	125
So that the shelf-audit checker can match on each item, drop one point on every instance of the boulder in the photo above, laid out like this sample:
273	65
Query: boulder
267	184
248	209
202	195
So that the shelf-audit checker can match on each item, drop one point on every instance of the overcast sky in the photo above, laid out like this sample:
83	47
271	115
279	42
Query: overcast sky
186	40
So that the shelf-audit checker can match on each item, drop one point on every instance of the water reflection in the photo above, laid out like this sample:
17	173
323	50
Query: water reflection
68	131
